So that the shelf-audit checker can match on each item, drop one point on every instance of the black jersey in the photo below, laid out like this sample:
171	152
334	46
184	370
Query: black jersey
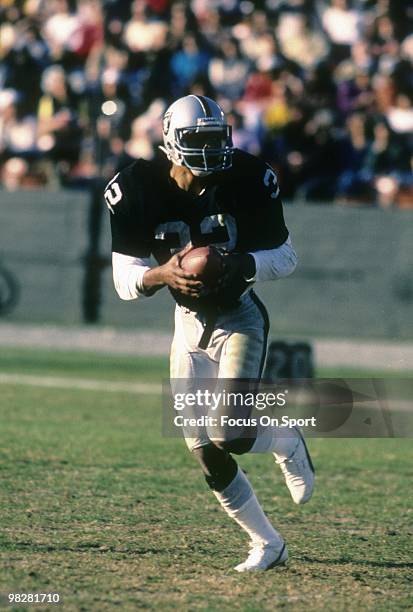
240	211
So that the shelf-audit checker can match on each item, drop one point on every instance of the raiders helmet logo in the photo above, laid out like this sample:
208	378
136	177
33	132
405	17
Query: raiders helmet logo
166	122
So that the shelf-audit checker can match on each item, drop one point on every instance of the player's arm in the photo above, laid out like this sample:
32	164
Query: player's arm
128	273
172	275
260	265
271	264
270	254
133	277
130	247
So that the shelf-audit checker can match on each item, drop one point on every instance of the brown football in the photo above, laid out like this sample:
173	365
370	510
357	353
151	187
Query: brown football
205	261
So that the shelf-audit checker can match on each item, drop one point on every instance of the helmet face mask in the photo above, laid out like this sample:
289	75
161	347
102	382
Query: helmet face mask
197	136
205	149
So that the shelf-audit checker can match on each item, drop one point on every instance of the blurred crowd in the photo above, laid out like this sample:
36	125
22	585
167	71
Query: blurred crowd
322	89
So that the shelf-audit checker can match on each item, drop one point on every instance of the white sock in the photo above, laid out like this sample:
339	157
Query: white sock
272	439
240	503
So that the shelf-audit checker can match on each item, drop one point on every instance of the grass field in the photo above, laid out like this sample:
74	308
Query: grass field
97	506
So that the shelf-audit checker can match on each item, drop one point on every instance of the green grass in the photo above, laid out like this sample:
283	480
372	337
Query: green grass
83	364
96	505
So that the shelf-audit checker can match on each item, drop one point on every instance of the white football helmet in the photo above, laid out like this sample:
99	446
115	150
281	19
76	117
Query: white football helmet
196	135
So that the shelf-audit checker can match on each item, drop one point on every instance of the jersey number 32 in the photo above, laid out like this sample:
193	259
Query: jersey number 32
219	230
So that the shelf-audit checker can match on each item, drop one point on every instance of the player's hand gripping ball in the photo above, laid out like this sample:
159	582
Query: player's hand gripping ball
206	262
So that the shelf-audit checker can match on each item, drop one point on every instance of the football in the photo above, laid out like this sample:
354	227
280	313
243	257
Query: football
207	262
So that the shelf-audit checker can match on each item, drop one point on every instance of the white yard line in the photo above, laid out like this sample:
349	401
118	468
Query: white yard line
90	384
84	384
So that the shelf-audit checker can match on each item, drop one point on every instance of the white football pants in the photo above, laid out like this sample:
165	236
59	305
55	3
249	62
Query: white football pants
236	350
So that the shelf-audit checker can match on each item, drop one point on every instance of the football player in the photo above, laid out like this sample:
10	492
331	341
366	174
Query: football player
205	192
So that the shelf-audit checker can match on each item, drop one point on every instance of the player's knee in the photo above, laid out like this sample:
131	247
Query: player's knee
237	446
234	438
218	466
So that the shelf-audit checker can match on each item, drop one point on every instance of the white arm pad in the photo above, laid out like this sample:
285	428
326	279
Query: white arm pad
274	263
128	274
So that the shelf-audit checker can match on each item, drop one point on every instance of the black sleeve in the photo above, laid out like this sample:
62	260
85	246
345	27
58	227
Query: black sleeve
264	225
124	201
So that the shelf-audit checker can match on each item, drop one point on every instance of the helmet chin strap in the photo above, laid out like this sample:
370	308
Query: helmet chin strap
165	150
200	172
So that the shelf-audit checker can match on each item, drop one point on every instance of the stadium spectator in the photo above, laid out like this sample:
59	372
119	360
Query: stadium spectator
387	161
59	126
320	88
229	71
143	33
300	41
354	180
17	132
342	25
187	63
